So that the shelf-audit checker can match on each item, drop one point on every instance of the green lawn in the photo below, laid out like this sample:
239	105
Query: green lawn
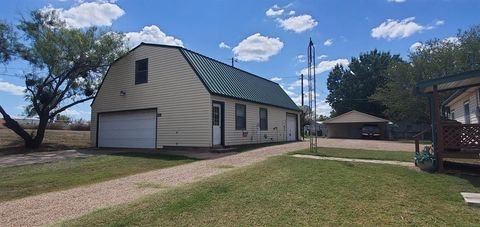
288	191
361	154
22	181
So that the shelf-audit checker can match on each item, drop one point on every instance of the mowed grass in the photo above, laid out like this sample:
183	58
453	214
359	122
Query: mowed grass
360	154
288	191
22	181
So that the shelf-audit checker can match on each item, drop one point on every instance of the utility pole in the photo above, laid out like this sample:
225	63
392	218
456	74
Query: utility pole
303	109
301	77
312	99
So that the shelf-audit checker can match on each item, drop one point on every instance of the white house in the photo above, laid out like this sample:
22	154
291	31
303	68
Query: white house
166	96
464	106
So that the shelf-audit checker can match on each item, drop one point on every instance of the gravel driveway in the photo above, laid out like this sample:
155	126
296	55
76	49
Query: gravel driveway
52	207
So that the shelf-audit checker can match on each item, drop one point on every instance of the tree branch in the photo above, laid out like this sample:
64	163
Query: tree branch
69	105
14	126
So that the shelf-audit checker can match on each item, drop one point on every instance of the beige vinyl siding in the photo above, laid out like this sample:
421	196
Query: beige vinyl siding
276	118
457	107
173	88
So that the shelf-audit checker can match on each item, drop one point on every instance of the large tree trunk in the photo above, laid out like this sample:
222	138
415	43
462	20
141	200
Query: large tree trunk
42	126
15	127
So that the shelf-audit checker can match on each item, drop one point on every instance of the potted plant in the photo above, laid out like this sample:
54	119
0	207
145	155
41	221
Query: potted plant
425	159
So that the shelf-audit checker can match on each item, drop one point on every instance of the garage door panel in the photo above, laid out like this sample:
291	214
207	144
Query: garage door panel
132	129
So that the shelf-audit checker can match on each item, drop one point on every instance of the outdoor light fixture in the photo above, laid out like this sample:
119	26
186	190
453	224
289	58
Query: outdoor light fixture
122	93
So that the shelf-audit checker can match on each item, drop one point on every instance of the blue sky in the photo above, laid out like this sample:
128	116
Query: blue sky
268	38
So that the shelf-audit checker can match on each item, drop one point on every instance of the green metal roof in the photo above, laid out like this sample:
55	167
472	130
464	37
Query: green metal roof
224	80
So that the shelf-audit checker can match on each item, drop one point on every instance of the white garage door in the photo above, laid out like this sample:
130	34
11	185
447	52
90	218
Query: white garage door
291	127
132	129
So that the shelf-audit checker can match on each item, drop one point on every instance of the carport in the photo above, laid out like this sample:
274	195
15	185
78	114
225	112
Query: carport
349	125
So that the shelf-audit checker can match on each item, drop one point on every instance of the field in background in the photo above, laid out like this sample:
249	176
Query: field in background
54	140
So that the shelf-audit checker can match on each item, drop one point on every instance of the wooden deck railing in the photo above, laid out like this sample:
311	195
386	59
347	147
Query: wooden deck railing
461	136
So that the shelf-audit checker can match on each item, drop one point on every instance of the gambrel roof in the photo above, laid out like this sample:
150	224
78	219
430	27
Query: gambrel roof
224	80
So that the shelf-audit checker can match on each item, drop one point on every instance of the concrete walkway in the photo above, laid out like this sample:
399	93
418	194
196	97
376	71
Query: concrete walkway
398	163
52	207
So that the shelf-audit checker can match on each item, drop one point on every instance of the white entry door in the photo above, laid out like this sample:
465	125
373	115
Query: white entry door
130	129
217	124
291	127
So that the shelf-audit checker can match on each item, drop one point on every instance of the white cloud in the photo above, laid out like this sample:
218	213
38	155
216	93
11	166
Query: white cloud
301	58
289	93
418	46
452	39
276	79
323	108
415	47
439	22
151	34
328	42
298	24
77	114
297	84
274	11
324	66
396	1
322	56
395	29
223	45
257	48
292	12
88	14
12	88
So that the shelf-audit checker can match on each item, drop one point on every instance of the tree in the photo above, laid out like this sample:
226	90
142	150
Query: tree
435	58
67	65
398	97
7	37
350	88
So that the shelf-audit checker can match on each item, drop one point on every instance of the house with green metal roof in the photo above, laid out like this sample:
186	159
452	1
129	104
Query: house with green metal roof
159	96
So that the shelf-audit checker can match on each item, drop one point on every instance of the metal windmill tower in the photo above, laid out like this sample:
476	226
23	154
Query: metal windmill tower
312	96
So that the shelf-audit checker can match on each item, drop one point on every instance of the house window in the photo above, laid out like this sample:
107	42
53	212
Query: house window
240	117
466	110
141	71
263	119
216	116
